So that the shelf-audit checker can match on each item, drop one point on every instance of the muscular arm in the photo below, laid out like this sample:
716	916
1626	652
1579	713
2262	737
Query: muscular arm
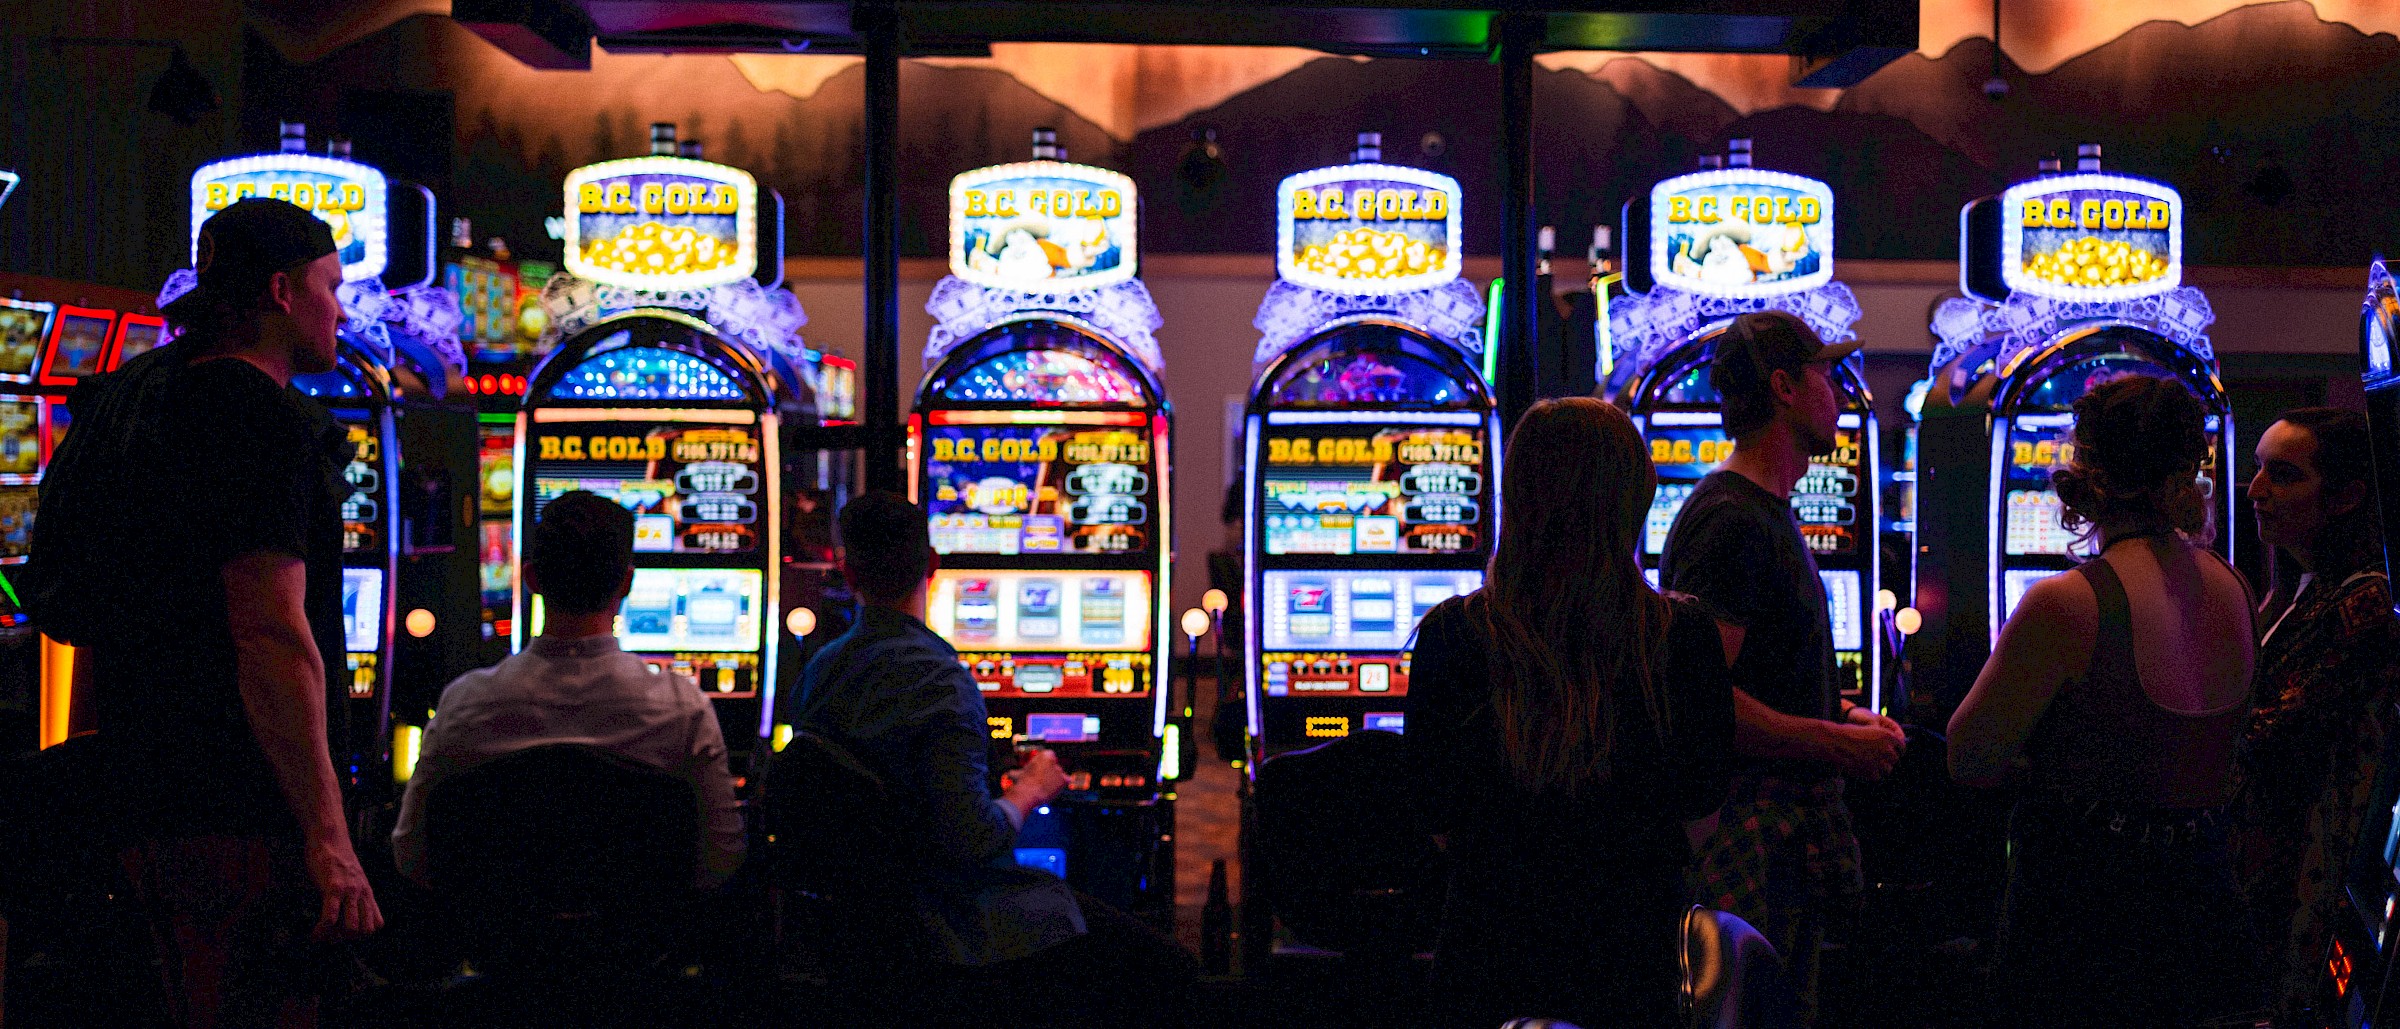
2046	641
282	682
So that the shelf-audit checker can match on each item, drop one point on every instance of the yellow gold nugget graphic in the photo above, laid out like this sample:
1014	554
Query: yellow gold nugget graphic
652	248
2093	262
1364	253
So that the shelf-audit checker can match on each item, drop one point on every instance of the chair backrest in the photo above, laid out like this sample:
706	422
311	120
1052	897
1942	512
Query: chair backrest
834	826
562	830
1732	977
1346	864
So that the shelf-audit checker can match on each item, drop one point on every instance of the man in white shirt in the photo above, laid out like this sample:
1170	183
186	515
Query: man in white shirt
572	685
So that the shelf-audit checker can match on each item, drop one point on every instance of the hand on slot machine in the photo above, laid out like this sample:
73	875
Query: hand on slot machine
1862	752
1036	780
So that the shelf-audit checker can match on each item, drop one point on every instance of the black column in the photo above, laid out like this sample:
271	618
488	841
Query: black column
1514	37
879	21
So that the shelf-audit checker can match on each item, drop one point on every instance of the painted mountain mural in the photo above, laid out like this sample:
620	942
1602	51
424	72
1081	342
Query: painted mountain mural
2272	122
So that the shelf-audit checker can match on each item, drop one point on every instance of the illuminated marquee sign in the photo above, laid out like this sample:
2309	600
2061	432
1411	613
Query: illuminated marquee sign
661	223
1741	232
1368	228
1042	225
351	197
2091	237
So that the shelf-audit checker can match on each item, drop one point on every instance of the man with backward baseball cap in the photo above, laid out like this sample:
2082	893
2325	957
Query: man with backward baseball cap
189	545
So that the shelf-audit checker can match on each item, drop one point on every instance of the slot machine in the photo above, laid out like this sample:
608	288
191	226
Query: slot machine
2071	279
2358	965
1371	448
393	390
33	664
661	391
1038	446
502	326
1705	248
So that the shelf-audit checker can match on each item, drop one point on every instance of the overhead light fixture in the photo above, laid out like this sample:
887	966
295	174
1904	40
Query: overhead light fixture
182	93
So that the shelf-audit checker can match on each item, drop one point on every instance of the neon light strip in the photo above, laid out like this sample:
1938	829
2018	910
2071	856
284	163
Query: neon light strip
1491	332
1848	421
1046	417
1378	417
517	614
643	414
1253	620
772	438
1685	418
1162	603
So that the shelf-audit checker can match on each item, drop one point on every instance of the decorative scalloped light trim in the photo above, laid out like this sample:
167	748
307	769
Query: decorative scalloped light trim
1644	326
1291	313
2181	315
962	310
765	320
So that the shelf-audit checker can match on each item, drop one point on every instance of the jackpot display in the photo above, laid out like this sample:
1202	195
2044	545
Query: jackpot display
1723	242
2084	269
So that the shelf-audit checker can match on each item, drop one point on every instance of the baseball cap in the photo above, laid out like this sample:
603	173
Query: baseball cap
1753	348
245	244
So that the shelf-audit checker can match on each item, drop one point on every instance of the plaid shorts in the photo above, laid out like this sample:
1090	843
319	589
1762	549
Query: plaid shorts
1779	845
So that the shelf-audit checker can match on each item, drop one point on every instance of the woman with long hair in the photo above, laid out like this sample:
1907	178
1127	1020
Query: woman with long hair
2320	709
1565	724
2113	702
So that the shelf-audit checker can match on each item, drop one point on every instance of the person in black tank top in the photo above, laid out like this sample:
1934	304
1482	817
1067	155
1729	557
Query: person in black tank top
2120	907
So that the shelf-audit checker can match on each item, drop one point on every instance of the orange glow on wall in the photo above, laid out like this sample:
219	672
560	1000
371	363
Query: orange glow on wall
58	687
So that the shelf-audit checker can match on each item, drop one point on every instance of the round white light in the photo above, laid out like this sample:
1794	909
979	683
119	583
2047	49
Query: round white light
1908	621
420	623
1886	600
1195	622
801	621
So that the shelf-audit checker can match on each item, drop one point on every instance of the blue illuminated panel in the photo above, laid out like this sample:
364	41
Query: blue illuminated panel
1371	378
1044	376
1061	727
1388	721
646	373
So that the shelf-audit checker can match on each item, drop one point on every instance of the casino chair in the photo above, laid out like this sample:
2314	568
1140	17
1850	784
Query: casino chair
1732	977
838	858
1342	860
566	872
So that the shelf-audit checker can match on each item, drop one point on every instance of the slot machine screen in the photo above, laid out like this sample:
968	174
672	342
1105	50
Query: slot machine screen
1845	607
2032	515
693	609
1040	489
692	488
138	335
1825	500
20	435
1353	610
1684	447
1340	489
1061	727
24	324
17	505
1041	611
362	609
2014	582
77	343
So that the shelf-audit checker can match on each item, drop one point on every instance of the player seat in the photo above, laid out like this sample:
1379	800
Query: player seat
1343	860
1732	977
565	870
837	856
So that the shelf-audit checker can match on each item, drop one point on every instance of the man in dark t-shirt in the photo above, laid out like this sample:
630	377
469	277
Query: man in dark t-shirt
1784	854
189	545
